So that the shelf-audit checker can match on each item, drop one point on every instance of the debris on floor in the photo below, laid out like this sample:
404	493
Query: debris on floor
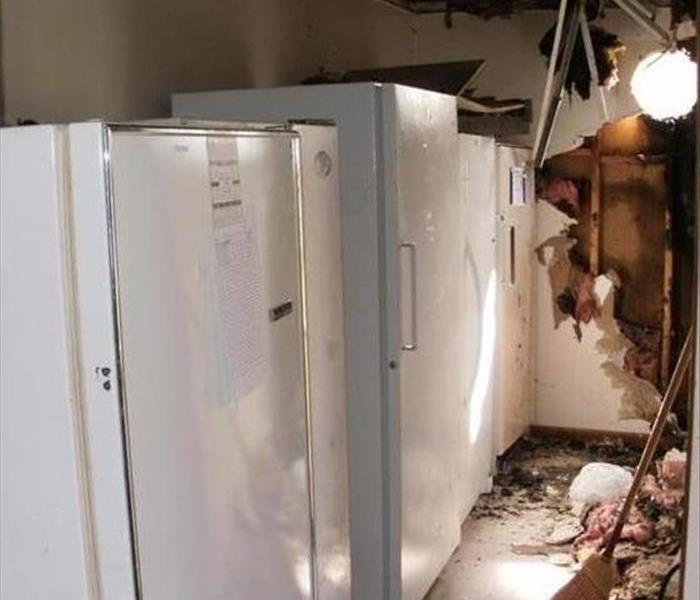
600	522
565	532
671	469
569	522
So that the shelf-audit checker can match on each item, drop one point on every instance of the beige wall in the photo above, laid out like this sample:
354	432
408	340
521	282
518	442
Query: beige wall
74	59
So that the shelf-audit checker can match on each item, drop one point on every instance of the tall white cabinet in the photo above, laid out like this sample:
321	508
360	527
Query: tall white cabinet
173	402
402	272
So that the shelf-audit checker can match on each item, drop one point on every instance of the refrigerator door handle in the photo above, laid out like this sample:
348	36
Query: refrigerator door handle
408	250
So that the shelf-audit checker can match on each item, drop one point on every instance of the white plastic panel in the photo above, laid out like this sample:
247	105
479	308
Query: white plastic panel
218	453
515	380
324	288
478	315
427	198
42	547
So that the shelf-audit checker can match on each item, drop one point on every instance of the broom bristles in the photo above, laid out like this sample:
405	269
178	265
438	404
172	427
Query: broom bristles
594	581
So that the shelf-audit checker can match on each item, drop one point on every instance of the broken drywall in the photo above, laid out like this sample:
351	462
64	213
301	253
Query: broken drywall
573	293
640	399
581	380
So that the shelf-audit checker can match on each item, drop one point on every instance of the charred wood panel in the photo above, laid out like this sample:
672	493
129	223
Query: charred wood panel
633	237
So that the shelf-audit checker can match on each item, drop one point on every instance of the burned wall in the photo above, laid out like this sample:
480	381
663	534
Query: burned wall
610	275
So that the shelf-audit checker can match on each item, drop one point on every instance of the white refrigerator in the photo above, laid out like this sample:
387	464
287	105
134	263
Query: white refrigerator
402	270
173	386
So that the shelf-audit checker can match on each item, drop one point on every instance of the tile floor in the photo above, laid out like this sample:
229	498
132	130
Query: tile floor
485	568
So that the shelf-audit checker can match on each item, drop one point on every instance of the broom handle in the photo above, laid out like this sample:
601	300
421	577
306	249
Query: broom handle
653	441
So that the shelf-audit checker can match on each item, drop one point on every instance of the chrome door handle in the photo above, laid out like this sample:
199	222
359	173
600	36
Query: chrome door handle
409	249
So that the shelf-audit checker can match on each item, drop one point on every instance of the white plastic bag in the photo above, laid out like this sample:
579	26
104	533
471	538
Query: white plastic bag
600	482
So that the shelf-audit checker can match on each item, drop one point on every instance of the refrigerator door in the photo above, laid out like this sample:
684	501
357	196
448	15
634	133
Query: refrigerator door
210	318
478	316
324	293
422	151
515	384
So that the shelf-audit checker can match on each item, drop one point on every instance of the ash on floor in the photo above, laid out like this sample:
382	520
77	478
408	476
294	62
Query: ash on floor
524	540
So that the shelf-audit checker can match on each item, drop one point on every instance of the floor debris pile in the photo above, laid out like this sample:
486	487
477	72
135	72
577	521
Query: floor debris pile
569	522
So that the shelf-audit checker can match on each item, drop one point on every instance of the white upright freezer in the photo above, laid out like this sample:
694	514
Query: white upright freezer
515	198
403	272
173	394
479	316
498	195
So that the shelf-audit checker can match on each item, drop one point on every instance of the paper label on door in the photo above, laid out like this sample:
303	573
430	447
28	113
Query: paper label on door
224	174
518	191
240	301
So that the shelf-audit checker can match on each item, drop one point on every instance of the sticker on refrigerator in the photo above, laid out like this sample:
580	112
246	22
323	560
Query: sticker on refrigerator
240	300
224	174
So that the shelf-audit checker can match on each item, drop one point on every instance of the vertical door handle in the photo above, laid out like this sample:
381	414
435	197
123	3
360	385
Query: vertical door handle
511	254
408	252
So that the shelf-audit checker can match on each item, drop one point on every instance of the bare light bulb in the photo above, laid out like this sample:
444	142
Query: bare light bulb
665	84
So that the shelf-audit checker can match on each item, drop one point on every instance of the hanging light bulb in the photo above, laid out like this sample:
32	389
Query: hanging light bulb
665	84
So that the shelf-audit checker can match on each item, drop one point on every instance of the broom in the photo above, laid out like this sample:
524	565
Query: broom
598	574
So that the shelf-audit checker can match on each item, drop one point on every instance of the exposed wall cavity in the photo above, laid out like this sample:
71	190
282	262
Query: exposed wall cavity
587	337
606	333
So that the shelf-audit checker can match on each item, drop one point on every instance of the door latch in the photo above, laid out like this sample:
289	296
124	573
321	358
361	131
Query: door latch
104	374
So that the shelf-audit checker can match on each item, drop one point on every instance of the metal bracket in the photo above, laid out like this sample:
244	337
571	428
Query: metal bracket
550	75
551	104
590	57
644	17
